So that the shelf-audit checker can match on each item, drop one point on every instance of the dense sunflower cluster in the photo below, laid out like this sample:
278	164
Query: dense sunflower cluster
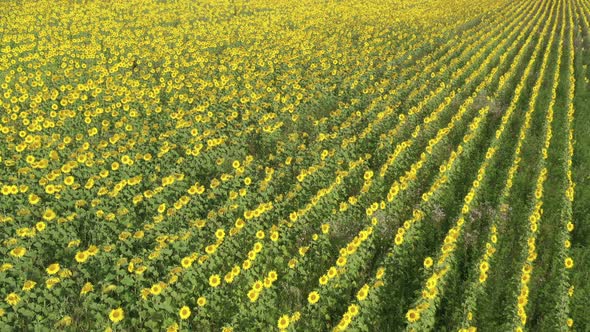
280	165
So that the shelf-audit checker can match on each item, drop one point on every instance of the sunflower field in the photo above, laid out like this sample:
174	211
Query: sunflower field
312	165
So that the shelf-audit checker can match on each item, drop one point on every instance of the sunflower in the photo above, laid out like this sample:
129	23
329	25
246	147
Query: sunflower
412	315
49	215
380	273
49	283
569	263
156	289
173	327
186	262
50	189
283	322
257	286
313	297
12	299
295	316
482	277
184	312
87	288
257	247
116	315
201	301
200	190
484	267
53	268
18	252
68	181
220	234
229	277
210	249
267	283
65	321
33	199
214	280
29	284
253	295
6	190
428	262
399	239
252	255
81	256
362	293
126	160
92	250
40	226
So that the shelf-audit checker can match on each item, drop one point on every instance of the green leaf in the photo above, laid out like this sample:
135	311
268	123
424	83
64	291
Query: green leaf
127	281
